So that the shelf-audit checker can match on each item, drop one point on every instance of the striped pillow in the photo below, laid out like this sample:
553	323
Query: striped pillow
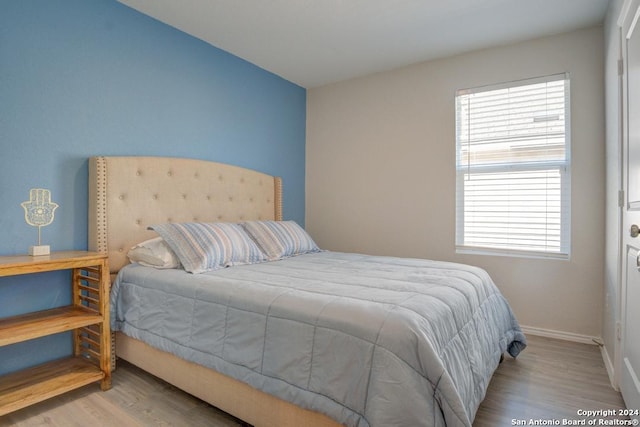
280	239
209	246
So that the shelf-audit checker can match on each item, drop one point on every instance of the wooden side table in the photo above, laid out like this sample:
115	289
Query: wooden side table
87	317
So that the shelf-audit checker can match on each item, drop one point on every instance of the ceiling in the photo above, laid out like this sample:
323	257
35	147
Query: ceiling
316	42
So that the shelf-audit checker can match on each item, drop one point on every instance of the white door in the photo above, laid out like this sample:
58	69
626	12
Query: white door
630	289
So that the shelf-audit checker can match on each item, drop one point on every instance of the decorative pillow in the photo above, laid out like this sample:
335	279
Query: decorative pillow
209	246
154	253
280	239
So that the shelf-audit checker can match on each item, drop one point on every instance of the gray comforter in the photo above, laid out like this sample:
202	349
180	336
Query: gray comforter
369	341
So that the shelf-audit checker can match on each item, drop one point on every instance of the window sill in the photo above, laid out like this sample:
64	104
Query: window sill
465	250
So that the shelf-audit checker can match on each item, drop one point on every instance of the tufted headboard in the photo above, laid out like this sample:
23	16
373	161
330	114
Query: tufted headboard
127	194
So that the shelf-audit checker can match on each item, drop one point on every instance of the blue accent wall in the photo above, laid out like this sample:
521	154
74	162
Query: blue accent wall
81	78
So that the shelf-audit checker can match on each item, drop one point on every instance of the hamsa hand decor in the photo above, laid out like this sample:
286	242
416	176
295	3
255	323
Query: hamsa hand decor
39	212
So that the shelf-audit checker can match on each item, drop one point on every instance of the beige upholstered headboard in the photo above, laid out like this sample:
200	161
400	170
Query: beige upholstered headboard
127	194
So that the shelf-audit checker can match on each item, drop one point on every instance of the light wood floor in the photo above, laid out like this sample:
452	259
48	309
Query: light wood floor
551	379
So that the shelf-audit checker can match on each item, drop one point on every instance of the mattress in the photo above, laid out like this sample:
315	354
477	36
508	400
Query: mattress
366	340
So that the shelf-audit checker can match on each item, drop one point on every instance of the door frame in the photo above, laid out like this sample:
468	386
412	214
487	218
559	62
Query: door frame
630	10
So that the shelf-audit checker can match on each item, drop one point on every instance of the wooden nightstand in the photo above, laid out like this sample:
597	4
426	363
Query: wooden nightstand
87	317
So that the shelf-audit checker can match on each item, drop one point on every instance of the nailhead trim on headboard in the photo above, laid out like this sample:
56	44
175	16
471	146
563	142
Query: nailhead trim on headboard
98	204
278	198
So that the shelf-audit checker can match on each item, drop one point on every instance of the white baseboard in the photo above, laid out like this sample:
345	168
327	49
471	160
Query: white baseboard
609	365
561	335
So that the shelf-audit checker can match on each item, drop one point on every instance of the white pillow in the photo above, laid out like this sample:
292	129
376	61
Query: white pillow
154	253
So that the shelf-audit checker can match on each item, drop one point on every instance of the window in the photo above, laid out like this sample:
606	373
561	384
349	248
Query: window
513	168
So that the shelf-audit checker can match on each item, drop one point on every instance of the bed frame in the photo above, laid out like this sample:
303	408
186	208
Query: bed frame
127	194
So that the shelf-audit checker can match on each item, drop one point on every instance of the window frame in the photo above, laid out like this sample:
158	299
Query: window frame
562	166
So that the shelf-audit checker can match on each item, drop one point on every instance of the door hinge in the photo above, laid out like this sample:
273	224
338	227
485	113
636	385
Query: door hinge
618	331
620	198
620	67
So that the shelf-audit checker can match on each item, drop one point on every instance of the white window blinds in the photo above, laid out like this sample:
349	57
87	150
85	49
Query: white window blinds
513	168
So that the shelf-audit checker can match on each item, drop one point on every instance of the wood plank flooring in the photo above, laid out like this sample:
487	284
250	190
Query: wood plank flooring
551	379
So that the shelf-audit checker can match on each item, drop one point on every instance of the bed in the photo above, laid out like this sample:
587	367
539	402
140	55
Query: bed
317	339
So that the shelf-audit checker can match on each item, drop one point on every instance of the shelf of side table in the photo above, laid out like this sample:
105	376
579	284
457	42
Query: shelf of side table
87	317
